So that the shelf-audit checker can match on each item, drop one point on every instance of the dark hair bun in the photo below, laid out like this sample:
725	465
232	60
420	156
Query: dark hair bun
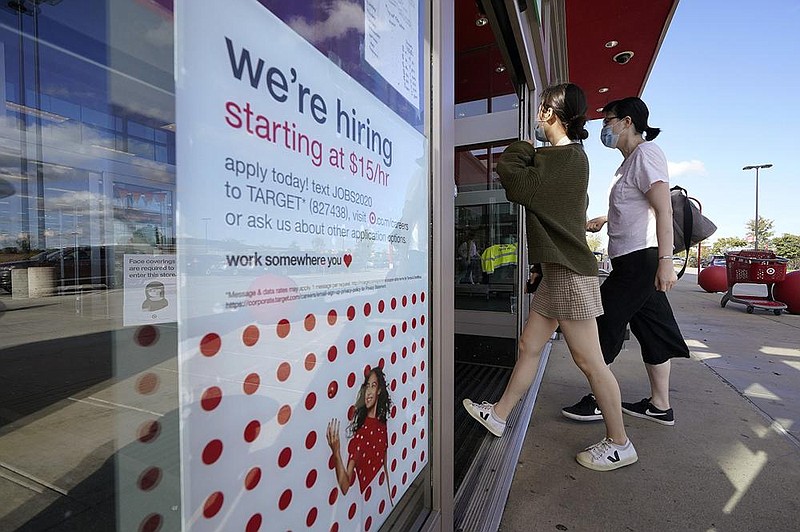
576	129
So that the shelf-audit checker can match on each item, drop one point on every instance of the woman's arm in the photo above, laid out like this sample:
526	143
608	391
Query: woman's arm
595	224
344	474
660	200
388	484
517	174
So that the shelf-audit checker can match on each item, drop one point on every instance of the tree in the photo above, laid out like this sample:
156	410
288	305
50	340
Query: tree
765	231
788	246
595	242
721	245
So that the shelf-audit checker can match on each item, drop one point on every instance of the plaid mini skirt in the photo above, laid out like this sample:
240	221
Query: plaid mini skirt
566	295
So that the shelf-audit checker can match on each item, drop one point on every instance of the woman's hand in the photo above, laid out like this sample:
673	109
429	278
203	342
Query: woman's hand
344	476
332	435
665	276
388	483
595	224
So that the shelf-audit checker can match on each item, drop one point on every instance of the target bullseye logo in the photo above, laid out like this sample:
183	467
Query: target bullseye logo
372	217
770	271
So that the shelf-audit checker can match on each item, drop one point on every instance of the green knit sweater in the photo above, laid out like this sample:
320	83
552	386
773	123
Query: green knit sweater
551	184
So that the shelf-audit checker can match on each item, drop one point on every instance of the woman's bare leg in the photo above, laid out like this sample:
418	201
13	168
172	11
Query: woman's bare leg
659	384
584	345
538	330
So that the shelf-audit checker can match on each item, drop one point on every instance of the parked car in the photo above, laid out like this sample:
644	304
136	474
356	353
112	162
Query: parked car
72	266
713	260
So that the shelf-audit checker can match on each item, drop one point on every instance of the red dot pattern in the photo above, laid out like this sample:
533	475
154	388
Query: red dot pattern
253	478
146	336
210	344
213	504
212	451
251	384
148	385
251	431
149	479
151	523
250	335
384	332
284	328
149	431
211	399
254	523
284	370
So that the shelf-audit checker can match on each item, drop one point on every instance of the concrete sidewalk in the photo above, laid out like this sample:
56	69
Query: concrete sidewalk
730	463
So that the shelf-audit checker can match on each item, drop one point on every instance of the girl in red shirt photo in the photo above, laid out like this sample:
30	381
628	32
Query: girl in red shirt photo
368	435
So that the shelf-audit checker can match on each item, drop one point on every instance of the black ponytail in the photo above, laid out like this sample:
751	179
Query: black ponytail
651	132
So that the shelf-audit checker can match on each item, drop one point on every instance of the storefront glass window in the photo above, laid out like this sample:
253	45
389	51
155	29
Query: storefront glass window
110	223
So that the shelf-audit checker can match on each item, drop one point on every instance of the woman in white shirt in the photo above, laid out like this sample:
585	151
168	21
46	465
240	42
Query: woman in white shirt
640	248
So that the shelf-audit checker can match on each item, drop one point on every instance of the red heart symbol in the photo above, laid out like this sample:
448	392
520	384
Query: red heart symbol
348	258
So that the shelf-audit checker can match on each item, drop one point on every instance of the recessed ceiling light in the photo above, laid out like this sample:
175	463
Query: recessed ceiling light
602	90
611	44
481	20
500	68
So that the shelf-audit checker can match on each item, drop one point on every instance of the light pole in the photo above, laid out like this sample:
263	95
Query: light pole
206	220
755	225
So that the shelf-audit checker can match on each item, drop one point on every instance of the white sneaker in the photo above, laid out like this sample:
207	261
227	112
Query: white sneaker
607	455
484	413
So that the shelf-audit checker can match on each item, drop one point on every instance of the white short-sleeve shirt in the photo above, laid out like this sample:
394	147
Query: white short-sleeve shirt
631	219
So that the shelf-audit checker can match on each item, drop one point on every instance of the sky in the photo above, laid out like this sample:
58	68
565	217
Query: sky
725	91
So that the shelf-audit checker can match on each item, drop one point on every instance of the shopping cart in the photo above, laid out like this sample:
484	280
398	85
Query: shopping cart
754	267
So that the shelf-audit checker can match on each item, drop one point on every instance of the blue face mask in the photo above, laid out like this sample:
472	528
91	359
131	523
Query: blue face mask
539	133
608	137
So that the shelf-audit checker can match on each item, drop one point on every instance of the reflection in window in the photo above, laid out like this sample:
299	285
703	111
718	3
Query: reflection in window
475	168
506	102
486	256
486	233
87	155
475	108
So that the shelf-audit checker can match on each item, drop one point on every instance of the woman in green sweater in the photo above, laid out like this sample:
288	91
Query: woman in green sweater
551	184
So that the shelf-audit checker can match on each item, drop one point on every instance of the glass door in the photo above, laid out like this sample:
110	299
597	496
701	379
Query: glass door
487	247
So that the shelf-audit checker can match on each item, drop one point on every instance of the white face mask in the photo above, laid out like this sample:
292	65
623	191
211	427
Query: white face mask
608	137
538	132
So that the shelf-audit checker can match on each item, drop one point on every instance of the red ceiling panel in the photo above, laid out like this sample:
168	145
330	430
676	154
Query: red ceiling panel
635	24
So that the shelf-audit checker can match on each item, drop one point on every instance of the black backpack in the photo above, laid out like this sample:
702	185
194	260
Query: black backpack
689	226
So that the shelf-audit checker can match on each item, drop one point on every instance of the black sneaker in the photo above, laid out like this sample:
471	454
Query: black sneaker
645	410
584	410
